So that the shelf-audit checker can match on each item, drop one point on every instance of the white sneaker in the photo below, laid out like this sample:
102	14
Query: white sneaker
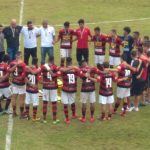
131	109
136	109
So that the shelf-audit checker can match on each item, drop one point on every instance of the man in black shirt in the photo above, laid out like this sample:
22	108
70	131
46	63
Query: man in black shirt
11	34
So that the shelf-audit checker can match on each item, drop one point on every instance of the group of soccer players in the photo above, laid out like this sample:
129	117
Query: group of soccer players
20	84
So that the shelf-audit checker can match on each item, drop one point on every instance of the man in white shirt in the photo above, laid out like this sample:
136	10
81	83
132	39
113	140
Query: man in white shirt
47	34
30	34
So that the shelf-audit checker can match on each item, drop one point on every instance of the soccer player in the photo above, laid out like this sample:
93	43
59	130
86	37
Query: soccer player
65	37
4	84
82	36
127	43
87	90
137	40
18	71
137	82
50	72
115	43
69	76
123	87
99	46
32	89
106	98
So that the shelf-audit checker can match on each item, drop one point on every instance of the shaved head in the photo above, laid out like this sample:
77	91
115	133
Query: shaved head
13	23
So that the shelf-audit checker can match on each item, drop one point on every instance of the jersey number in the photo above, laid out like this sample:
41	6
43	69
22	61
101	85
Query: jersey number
16	72
32	78
127	73
71	78
49	76
108	82
1	73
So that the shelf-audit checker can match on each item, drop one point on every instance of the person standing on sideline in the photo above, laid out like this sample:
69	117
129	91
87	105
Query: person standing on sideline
30	34
2	50
127	43
47	34
11	34
82	36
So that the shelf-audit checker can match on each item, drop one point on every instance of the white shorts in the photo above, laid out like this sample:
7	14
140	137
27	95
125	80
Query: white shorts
68	98
18	89
5	92
32	98
85	96
50	95
65	53
99	59
123	92
114	61
106	99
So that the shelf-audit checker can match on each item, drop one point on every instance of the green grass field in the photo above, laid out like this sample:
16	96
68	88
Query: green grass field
129	133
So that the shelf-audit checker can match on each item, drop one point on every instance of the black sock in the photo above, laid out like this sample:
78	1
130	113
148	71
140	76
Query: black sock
7	104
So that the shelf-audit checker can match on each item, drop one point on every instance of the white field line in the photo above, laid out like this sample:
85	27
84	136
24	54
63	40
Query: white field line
10	118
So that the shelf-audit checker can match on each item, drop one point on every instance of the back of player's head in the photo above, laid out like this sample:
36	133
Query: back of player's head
81	21
1	25
97	29
133	53
137	33
146	44
29	22
127	29
106	64
124	57
140	50
146	38
51	59
5	58
114	30
34	61
66	24
18	54
83	62
69	60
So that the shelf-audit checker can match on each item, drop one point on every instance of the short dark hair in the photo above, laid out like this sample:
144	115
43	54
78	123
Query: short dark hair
97	29
83	61
127	29
5	58
66	24
146	44
19	53
140	50
51	58
136	32
34	61
106	64
133	53
124	57
1	25
81	21
29	22
114	30
146	37
69	60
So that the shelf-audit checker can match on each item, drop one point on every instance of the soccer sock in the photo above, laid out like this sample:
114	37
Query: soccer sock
62	62
116	106
73	108
21	110
34	111
45	103
54	110
109	115
7	104
92	109
14	109
27	109
83	111
103	115
125	104
66	111
0	105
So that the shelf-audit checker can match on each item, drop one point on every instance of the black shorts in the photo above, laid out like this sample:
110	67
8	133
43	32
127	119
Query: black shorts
137	87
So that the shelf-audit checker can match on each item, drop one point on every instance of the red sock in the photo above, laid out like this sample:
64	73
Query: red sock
14	109
116	106
45	103
62	63
66	111
54	110
27	110
34	111
73	108
103	115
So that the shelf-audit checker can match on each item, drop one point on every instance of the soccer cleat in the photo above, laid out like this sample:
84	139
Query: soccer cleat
92	119
35	119
56	121
74	116
15	115
136	109
82	119
44	121
67	121
8	112
28	117
109	118
122	114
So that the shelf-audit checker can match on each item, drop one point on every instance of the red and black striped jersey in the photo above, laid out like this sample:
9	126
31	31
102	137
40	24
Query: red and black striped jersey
18	76
66	38
4	69
114	46
137	43
51	80
99	43
33	78
70	80
106	83
87	84
123	72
